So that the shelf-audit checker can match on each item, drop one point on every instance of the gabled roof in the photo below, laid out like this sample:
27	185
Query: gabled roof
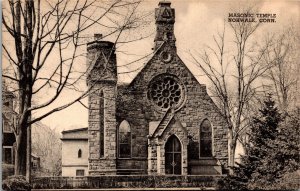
154	54
141	71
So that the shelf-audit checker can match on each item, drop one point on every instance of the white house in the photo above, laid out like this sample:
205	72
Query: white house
75	152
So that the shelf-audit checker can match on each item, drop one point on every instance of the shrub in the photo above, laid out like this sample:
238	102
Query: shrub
7	170
15	183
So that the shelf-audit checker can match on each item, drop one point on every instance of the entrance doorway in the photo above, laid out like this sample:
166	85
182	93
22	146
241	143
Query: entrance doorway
173	156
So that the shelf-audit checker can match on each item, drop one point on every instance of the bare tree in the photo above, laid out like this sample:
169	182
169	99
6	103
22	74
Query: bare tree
47	146
284	75
233	70
42	47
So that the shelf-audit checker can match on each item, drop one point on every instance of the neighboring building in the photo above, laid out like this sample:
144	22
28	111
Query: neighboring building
35	163
9	122
163	122
9	119
75	152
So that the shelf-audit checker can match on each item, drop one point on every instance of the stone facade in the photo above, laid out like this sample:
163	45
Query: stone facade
163	103
102	79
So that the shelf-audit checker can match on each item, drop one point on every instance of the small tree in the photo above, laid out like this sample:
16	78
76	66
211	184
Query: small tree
284	161
261	146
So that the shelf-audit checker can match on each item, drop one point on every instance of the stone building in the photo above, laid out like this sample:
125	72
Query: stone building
163	122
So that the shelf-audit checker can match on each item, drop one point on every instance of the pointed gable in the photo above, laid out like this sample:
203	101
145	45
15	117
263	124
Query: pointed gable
164	60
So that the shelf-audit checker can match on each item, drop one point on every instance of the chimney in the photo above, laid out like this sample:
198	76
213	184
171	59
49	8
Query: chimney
98	37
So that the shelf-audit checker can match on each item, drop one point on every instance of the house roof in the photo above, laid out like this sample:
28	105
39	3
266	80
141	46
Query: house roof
75	134
74	130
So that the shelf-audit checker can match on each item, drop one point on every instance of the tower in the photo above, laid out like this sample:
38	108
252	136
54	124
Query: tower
164	20
101	81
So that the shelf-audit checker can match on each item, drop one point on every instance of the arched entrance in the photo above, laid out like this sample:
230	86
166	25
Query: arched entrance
173	156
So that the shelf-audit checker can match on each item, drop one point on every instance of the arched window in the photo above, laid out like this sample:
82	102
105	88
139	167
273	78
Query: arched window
101	118
79	153
124	140
205	139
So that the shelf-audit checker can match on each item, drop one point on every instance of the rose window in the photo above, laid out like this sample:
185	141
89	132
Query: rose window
166	92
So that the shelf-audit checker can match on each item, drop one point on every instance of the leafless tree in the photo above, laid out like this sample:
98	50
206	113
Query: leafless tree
284	75
233	70
42	48
47	146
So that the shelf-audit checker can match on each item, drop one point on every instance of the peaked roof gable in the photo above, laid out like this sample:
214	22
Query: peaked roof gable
146	65
165	47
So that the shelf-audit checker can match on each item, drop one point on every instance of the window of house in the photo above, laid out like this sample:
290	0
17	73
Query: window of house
6	103
7	156
205	139
6	127
101	118
124	140
80	172
79	153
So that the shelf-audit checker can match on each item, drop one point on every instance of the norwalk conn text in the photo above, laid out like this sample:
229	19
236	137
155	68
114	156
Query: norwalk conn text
252	17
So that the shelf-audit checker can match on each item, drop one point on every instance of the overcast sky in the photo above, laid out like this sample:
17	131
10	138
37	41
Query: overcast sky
196	23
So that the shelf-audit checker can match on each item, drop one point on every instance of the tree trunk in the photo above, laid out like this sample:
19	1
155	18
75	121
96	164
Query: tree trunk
232	147
20	158
28	154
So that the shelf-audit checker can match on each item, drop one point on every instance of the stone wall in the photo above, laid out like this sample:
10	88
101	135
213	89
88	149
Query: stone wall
130	182
107	164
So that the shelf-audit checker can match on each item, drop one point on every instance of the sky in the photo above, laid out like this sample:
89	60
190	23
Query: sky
197	21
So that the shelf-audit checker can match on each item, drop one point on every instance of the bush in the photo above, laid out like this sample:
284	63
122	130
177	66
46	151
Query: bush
15	183
7	170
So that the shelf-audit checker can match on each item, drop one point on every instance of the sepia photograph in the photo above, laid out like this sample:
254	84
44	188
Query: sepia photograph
150	95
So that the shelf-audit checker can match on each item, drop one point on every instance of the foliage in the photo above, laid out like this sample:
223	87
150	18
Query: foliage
15	183
7	170
255	164
272	152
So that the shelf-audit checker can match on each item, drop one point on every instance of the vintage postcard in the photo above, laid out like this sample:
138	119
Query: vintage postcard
144	95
